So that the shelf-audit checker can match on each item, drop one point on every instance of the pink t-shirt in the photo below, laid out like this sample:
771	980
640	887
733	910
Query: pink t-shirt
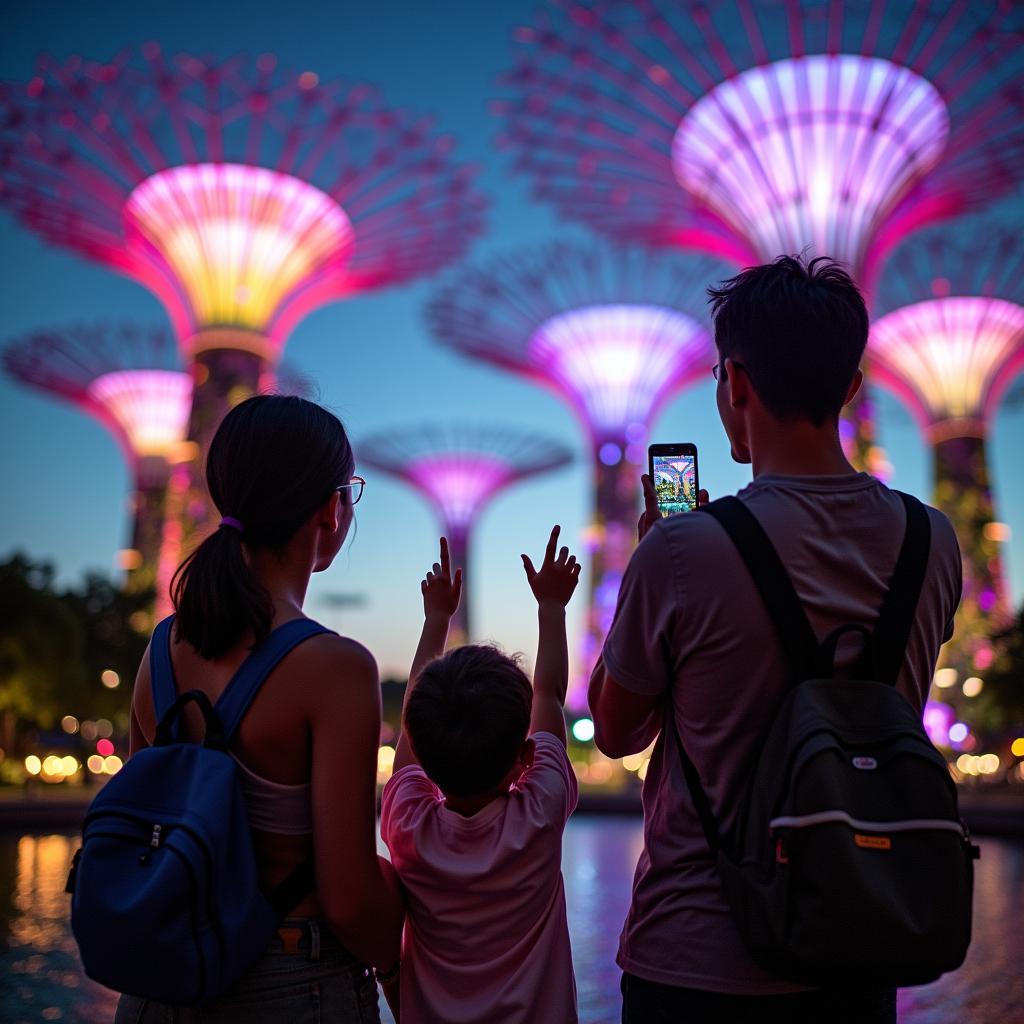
689	619
486	938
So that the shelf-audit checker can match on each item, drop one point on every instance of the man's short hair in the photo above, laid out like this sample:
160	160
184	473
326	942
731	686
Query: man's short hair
468	718
799	330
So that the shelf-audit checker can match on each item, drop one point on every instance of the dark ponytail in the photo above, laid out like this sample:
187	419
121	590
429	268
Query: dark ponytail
273	462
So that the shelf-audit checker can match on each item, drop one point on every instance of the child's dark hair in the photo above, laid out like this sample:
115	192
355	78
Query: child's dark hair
273	461
468	717
798	330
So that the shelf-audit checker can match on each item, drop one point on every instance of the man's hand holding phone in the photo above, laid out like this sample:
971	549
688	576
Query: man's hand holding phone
651	513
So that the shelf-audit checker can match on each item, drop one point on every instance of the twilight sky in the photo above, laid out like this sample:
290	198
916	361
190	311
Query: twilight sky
65	484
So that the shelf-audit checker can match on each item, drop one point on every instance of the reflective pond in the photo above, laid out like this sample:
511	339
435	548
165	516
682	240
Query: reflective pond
41	980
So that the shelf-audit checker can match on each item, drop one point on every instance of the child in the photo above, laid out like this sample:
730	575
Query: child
474	814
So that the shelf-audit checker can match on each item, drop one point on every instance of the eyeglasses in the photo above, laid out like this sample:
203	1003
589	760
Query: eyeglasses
718	370
357	483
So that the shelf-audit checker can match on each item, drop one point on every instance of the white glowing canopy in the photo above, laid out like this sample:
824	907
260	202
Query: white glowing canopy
151	407
617	361
949	358
811	151
237	241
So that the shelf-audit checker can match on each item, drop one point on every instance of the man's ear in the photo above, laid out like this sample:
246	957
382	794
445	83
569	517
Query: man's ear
858	379
737	382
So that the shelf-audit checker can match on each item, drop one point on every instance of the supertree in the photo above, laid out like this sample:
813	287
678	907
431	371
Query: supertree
243	196
131	380
949	343
751	129
615	334
458	469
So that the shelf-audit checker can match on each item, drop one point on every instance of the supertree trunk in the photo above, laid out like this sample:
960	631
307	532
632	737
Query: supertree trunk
458	551
612	539
223	378
149	508
963	492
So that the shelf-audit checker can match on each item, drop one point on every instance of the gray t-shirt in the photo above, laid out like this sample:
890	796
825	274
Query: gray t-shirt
690	619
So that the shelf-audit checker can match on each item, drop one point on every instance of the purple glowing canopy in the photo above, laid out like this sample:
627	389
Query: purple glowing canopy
951	337
242	195
748	129
615	333
458	468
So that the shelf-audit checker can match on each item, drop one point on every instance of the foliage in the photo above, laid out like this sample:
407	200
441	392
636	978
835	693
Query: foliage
1000	706
54	646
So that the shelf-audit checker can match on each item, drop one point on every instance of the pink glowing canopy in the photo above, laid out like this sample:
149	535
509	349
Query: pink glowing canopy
952	335
950	359
615	333
618	362
243	195
749	129
237	241
461	467
128	378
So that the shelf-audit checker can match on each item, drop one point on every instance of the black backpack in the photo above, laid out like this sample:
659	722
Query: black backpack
849	863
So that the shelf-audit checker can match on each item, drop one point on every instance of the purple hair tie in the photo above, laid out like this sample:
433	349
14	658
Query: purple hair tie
231	521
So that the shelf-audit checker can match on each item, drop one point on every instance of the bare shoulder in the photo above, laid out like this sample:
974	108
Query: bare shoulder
330	668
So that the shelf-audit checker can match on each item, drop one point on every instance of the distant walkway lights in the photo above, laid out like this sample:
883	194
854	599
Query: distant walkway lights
459	469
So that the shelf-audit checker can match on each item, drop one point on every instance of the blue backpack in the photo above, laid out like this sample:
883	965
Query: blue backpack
165	899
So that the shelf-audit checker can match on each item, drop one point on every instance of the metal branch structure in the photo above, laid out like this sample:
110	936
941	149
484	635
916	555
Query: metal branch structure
615	334
244	196
459	469
949	344
131	380
750	129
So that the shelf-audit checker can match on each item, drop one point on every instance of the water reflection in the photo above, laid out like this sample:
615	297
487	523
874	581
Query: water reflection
41	978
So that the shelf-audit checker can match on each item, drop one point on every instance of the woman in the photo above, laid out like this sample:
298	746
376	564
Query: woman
280	472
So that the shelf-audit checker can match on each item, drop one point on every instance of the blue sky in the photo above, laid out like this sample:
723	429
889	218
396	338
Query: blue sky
65	484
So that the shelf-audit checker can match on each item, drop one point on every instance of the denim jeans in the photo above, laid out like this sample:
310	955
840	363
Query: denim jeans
647	1002
306	976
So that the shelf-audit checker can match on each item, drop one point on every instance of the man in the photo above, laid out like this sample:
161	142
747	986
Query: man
691	634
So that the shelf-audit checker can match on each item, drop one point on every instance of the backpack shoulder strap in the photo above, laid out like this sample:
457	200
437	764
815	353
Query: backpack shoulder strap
771	579
899	609
161	669
234	701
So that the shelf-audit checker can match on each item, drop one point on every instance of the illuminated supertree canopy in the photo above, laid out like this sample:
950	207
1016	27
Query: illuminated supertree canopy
615	334
754	129
242	195
130	380
949	344
458	469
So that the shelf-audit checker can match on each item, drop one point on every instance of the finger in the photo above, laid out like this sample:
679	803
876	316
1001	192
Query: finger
702	497
531	573
437	569
423	586
576	569
563	555
549	551
650	496
571	562
457	586
446	565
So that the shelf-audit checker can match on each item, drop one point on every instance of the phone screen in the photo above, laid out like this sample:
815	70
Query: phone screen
673	469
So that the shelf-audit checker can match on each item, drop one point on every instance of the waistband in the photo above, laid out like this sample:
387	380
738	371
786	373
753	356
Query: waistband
310	938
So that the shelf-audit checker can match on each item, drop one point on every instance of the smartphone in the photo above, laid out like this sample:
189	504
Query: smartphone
673	469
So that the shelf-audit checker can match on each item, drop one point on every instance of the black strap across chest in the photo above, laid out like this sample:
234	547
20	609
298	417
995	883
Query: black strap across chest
884	649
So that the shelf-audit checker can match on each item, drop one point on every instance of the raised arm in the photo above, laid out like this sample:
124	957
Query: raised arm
552	585
441	593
